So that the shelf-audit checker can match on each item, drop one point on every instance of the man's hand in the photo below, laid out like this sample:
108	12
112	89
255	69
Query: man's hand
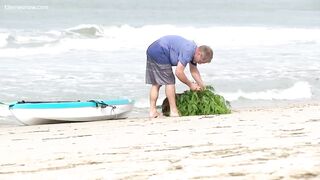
195	87
202	86
196	76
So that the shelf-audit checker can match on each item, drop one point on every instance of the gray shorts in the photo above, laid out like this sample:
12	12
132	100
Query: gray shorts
159	74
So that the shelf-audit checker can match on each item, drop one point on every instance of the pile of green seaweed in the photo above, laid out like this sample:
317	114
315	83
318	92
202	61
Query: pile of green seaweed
204	102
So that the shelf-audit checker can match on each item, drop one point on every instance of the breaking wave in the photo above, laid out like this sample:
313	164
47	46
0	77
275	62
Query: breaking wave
300	90
116	38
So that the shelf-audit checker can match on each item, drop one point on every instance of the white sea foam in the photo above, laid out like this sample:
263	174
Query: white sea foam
4	111
125	37
22	39
144	102
86	30
300	90
3	39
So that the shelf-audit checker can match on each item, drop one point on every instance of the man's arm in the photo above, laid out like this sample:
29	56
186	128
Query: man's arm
196	75
183	78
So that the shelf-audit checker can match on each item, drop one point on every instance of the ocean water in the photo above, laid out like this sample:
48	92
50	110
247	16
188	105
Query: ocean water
265	52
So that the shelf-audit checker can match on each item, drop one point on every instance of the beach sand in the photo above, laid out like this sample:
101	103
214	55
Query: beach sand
266	143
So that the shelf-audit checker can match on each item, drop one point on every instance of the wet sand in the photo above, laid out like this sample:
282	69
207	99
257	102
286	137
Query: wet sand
269	143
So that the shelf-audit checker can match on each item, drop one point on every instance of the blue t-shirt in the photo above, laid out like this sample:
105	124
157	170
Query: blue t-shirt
172	49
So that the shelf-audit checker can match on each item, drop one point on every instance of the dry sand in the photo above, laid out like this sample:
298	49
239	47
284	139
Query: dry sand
275	143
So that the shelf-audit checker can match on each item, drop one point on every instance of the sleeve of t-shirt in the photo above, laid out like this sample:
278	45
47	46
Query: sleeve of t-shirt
186	56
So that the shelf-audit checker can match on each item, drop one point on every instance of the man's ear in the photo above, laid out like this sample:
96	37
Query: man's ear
198	52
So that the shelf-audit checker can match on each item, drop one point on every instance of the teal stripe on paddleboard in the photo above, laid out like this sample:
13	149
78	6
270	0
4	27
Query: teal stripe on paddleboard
60	105
118	101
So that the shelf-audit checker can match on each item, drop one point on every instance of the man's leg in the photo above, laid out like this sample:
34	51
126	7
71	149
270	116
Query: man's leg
154	93
171	95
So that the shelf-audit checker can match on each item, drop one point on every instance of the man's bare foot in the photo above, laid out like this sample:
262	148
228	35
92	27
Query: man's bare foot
174	114
154	114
